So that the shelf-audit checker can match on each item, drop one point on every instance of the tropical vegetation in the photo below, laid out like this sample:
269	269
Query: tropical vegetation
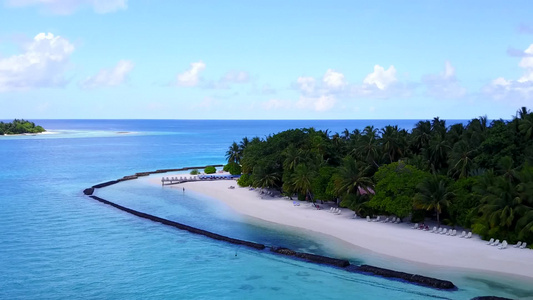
20	127
210	170
477	174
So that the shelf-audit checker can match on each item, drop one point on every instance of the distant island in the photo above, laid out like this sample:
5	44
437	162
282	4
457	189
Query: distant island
20	127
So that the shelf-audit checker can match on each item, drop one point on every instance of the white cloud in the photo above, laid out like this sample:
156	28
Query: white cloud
191	76
43	64
515	90
333	79
65	7
321	103
235	77
109	77
445	84
306	84
381	78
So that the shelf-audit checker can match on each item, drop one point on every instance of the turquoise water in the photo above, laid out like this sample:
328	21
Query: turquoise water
58	244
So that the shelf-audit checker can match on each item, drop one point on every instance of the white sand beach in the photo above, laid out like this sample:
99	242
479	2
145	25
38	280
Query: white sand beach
395	240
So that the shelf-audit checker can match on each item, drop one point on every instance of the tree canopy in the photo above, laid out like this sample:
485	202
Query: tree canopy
478	174
20	127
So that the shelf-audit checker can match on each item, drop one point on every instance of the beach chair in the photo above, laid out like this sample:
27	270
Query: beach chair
368	218
338	212
490	241
444	231
377	219
386	220
463	234
518	244
503	245
496	243
397	220
331	209
524	245
469	235
415	226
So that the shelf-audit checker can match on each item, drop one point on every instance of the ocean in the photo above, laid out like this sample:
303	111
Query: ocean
56	243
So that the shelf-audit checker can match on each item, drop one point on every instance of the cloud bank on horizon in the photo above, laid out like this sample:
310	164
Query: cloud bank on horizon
61	57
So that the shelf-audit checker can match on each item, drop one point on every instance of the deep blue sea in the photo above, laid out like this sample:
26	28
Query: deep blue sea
56	243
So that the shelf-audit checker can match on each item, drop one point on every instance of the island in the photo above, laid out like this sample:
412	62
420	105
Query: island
20	127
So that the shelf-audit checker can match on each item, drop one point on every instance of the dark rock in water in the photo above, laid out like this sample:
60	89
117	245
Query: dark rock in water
312	257
108	183
129	177
422	280
88	191
490	298
182	226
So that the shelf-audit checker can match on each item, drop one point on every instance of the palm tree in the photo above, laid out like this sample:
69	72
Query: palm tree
264	179
292	158
352	178
507	204
461	159
525	124
421	135
301	180
242	145
437	153
434	193
393	142
234	153
368	147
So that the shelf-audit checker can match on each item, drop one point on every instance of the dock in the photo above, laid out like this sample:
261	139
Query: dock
202	177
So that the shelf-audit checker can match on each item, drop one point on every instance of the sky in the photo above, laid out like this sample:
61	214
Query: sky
173	59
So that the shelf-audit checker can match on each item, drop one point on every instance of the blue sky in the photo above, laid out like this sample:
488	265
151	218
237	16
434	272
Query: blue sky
131	59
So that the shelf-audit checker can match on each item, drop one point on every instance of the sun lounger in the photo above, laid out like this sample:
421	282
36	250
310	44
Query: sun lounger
469	235
377	219
503	245
338	212
331	209
444	231
518	244
295	203
434	229
463	234
496	243
415	226
386	220
490	242
368	218
524	245
397	220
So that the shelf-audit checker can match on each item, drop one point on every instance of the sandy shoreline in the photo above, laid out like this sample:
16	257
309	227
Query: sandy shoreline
394	240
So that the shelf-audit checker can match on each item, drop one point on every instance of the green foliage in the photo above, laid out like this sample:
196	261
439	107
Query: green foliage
435	194
20	127
322	183
474	175
462	209
233	168
396	186
245	180
210	170
195	172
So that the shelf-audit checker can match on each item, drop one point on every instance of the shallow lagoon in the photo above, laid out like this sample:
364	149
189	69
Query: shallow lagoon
59	244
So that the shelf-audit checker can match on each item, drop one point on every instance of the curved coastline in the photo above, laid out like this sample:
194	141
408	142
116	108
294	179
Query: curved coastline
339	263
392	240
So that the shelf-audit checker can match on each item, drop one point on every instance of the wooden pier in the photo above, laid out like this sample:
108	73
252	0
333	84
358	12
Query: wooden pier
182	179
